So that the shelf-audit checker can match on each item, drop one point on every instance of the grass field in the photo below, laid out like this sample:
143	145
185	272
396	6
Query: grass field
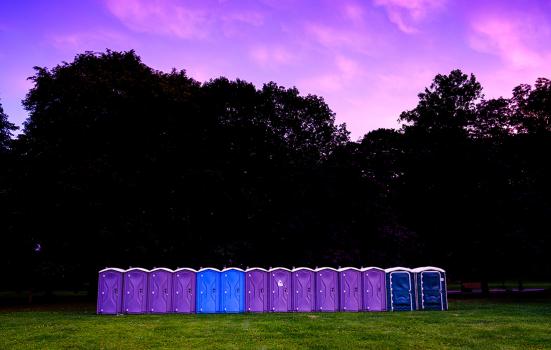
468	324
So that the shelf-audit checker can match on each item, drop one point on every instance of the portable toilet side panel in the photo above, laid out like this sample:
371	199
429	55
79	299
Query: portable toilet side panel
327	290
431	290
135	291
160	291
208	291
350	280
232	297
256	290
400	291
303	290
183	291
280	287
110	291
374	289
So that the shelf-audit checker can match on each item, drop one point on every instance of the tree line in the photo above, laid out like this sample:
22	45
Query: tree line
122	165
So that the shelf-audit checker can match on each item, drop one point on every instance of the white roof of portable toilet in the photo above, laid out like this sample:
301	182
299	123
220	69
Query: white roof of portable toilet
399	268
137	268
162	269
185	269
256	268
111	269
427	268
326	268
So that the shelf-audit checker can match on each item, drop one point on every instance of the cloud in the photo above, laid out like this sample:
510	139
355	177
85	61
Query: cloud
407	14
83	41
160	17
182	19
337	38
271	56
517	41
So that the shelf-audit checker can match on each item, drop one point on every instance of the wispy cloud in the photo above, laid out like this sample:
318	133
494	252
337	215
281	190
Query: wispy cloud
270	56
182	19
407	14
517	40
84	41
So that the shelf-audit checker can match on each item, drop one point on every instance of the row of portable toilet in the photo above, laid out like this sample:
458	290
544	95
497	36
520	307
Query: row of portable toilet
233	290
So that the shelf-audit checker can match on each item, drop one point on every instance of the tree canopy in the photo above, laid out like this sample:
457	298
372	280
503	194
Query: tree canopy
120	164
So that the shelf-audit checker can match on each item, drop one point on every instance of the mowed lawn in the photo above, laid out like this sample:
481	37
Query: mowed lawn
468	324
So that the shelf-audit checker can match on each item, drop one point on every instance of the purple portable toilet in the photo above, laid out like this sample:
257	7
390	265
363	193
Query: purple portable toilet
327	289
135	291
183	290
256	290
303	289
280	288
160	291
350	281
374	289
110	291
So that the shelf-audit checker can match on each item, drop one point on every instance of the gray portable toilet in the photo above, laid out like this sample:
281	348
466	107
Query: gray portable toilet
160	290
374	289
430	288
183	290
135	291
257	287
304	285
350	283
400	289
110	291
327	289
280	288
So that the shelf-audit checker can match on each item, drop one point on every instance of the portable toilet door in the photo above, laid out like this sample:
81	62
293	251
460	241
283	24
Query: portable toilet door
110	291
400	289
160	291
374	289
208	291
304	298
430	283
350	281
232	297
280	287
256	294
183	290
327	289
135	291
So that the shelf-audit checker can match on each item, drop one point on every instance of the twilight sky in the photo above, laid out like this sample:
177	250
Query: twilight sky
367	58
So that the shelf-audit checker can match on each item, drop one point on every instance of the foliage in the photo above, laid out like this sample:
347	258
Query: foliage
119	164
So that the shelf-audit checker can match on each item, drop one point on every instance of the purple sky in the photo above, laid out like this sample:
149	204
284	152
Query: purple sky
368	59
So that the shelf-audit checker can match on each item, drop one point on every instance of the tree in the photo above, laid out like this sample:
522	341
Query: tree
6	131
447	105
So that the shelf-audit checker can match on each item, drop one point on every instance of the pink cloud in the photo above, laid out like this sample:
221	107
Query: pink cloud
336	38
160	17
407	14
83	41
517	41
270	56
182	19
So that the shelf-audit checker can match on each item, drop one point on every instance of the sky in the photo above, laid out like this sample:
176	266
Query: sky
367	58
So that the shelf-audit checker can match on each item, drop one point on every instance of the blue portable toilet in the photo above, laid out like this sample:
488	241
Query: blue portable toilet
400	289
431	289
232	291
208	291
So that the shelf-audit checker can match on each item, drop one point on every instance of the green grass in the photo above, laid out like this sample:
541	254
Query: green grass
468	324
